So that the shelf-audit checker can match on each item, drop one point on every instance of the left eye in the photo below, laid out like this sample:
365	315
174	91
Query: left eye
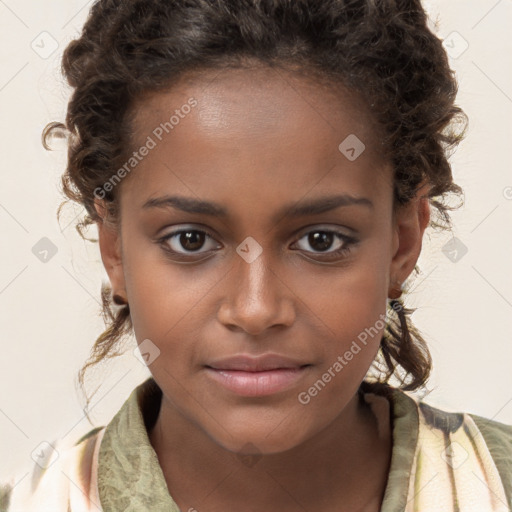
322	240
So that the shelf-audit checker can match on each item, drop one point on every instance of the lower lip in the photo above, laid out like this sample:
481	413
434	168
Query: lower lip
257	383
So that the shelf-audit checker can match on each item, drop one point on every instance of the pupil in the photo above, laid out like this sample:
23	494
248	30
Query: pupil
191	240
320	240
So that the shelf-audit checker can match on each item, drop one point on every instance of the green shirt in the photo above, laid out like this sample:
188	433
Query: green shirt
441	462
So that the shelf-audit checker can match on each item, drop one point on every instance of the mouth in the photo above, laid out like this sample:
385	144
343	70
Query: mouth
256	376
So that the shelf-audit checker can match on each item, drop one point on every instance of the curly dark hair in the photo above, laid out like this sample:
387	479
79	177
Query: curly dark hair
381	50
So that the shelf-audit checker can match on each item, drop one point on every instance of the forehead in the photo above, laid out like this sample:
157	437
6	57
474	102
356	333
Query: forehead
255	131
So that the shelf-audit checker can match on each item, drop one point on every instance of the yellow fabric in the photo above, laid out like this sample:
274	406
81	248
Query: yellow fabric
453	470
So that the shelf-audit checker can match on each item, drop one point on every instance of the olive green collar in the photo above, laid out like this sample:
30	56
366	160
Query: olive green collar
129	475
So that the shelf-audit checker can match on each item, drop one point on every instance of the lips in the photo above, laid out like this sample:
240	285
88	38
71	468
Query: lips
256	376
256	364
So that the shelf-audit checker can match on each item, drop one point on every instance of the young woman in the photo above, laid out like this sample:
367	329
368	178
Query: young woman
261	174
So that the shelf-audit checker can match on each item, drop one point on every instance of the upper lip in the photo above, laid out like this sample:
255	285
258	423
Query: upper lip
255	364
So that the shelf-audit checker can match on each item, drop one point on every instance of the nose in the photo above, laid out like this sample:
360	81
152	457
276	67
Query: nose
257	298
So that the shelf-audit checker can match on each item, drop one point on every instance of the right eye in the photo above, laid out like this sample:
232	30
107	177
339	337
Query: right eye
186	241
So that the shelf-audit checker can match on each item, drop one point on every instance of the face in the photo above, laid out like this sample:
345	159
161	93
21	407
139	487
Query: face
256	253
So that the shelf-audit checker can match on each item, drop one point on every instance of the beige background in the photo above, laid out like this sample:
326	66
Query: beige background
49	312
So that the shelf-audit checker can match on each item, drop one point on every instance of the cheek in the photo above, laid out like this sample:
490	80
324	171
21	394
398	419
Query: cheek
351	297
351	308
166	300
354	312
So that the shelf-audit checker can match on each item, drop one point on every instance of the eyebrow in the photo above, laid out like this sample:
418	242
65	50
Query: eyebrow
311	207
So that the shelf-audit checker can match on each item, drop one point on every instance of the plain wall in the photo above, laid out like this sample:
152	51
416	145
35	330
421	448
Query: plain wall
50	311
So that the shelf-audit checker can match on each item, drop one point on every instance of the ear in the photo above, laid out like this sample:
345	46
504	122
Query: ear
410	223
109	239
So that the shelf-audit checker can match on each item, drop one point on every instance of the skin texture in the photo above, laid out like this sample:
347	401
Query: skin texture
257	140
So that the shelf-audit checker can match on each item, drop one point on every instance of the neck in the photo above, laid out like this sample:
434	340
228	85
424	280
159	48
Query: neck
343	467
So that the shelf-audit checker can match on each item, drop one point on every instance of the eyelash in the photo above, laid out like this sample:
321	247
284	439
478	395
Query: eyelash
348	242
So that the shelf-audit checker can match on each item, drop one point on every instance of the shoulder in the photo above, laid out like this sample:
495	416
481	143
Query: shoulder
451	454
66	477
495	433
488	443
498	438
62	476
5	494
